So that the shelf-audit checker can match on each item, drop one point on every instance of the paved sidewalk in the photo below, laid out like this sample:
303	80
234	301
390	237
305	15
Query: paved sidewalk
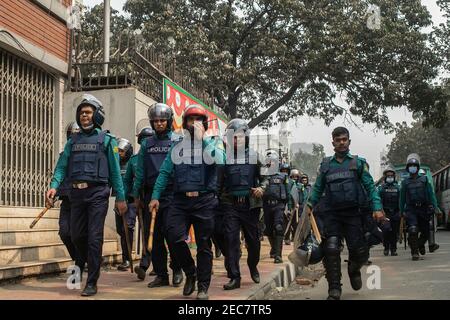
124	285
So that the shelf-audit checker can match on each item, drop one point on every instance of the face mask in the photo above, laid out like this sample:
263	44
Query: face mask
390	179
412	169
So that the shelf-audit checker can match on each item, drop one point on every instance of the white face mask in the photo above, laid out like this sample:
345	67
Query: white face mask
412	169
390	179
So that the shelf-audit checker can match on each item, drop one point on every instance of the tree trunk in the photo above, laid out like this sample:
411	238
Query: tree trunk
287	96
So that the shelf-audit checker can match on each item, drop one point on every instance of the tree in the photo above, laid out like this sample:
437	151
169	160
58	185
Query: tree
432	144
92	29
295	57
441	36
308	162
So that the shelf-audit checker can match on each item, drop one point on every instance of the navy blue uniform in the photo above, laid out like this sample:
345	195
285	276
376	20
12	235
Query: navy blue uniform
390	197
91	162
241	211
149	160
194	203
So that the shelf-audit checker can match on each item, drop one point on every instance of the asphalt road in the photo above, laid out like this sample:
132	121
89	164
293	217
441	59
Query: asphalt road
400	277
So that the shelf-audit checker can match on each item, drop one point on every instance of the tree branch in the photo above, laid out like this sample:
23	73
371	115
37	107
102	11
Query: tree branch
285	98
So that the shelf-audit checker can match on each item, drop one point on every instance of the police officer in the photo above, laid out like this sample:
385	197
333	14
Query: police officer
240	199
125	154
64	212
389	193
150	158
295	206
193	161
347	183
274	202
417	204
91	161
305	181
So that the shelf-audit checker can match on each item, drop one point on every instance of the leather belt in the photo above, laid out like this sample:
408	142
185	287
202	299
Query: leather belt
192	194
81	185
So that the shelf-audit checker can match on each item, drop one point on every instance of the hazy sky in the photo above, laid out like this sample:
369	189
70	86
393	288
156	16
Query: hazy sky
365	141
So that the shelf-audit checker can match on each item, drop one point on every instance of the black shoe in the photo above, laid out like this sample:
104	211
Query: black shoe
202	295
433	247
354	273
189	286
334	294
287	242
422	250
255	275
232	284
272	255
89	290
140	272
394	253
124	266
386	252
152	273
278	260
159	282
177	278
415	256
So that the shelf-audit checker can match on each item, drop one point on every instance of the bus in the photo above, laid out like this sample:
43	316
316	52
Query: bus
441	181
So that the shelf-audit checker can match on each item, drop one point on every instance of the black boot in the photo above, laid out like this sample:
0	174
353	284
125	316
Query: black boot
177	278
414	245
332	265
354	272
254	273
272	247
232	284
189	286
124	266
433	247
159	282
278	244
140	272
89	290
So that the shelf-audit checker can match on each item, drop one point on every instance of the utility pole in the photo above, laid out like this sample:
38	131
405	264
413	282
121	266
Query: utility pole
106	31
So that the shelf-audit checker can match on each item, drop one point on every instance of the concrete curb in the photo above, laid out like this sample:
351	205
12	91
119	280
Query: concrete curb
282	277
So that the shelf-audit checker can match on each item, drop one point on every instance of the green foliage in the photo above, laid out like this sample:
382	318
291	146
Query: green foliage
308	162
290	58
432	144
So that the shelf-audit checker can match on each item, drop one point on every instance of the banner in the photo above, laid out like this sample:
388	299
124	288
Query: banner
178	99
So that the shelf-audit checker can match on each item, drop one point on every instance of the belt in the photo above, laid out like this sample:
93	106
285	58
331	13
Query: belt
192	194
272	201
84	185
240	199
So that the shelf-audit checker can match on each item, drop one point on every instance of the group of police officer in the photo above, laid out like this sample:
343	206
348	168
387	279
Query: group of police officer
191	181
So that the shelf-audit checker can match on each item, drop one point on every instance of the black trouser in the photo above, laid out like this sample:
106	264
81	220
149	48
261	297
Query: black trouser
390	237
218	236
158	256
273	219
159	253
130	217
237	217
88	212
351	228
418	221
199	212
64	228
